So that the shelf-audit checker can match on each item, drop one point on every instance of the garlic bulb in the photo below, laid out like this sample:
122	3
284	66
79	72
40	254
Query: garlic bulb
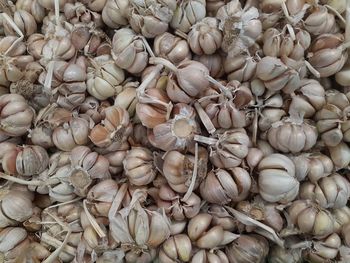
178	132
309	218
329	116
241	27
139	167
151	18
273	170
328	192
188	13
204	236
230	149
171	47
115	13
247	248
16	206
205	36
15	115
223	186
32	7
113	130
214	256
128	51
241	68
177	247
176	207
13	240
313	166
213	62
27	160
138	226
341	217
104	78
288	136
87	166
72	133
276	75
327	54
24	21
116	158
321	21
178	169
323	250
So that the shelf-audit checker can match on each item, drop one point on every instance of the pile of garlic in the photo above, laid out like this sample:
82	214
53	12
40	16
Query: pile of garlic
174	131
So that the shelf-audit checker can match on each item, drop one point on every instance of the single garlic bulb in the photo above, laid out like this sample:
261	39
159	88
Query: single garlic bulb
176	247
24	21
171	47
328	192
115	13
205	36
230	149
139	167
13	241
288	136
128	51
16	206
15	115
116	158
178	132
223	186
188	13
113	130
86	167
205	255
178	169
104	78
151	18
341	217
72	133
277	182
331	118
310	218
27	160
32	7
277	76
312	166
205	236
323	250
176	207
101	196
310	98
321	21
247	248
213	62
241	68
327	55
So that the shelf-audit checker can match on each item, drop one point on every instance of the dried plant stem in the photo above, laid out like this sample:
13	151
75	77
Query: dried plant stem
117	201
341	18
16	28
222	88
312	69
65	203
204	118
141	89
48	78
347	28
164	62
10	178
57	12
93	222
205	140
147	46
291	32
194	175
55	254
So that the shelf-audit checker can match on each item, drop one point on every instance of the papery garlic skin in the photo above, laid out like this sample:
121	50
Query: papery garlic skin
277	181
